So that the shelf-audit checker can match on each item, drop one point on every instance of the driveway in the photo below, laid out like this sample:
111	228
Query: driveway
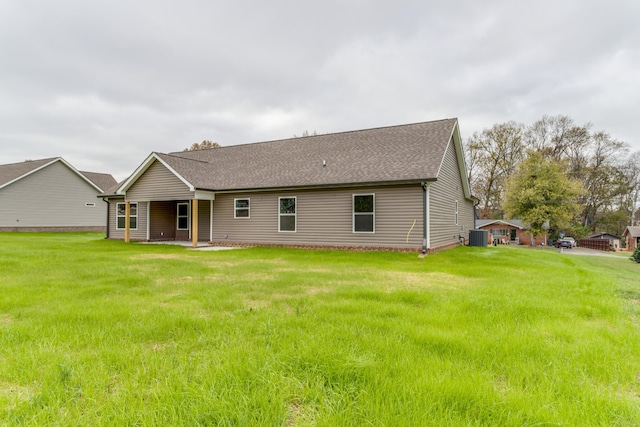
585	251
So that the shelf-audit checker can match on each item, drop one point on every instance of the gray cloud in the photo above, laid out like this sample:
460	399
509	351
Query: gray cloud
105	83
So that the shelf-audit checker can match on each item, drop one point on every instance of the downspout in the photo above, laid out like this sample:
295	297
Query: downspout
426	232
107	228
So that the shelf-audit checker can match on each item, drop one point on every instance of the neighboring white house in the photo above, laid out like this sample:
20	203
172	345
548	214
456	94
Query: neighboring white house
51	195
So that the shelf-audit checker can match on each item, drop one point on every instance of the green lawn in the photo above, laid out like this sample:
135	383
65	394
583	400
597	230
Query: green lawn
103	333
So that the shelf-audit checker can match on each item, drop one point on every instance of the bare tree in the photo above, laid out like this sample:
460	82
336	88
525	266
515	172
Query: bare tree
204	145
493	156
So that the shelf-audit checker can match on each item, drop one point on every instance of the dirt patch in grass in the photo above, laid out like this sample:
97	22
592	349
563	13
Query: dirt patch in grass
5	319
15	393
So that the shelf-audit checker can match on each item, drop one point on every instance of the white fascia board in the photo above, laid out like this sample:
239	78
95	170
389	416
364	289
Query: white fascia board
204	195
29	173
462	164
57	159
77	172
142	169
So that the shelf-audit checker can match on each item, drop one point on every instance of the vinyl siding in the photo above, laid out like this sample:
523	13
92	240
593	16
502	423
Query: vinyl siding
204	220
443	195
162	216
158	183
162	221
51	197
324	217
140	233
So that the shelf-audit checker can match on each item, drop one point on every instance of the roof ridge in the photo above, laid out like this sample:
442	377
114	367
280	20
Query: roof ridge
318	136
173	154
31	161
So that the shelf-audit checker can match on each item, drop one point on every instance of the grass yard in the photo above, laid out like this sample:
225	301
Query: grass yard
103	333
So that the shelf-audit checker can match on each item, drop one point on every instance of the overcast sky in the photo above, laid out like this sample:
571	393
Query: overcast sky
104	83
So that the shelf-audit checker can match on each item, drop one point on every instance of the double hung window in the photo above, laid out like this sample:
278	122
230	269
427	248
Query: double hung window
121	216
364	214
287	213
183	216
242	208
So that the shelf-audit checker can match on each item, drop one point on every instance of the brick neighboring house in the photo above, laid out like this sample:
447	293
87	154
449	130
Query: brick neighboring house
51	195
508	231
632	237
397	187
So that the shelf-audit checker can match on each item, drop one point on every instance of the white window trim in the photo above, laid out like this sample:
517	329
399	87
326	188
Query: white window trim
295	215
188	216
124	216
353	213
248	208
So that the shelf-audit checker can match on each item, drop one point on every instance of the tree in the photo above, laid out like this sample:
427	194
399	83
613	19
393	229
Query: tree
204	145
631	173
557	137
602	177
540	193
636	255
305	134
493	156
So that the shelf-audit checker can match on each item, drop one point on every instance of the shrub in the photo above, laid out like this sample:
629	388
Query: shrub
636	255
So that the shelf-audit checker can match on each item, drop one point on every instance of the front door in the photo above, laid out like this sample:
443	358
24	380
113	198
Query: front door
513	234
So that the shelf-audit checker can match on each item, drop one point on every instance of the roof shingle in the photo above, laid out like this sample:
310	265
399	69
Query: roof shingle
390	154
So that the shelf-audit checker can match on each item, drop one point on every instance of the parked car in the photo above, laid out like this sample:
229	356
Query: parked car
564	243
572	240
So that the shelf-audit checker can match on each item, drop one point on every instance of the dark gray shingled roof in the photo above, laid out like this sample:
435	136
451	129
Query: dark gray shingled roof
13	171
102	180
389	154
514	222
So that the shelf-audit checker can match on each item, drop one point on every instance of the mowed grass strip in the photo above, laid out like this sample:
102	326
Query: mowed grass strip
97	332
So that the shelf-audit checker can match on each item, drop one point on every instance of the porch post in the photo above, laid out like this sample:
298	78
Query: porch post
127	221
194	222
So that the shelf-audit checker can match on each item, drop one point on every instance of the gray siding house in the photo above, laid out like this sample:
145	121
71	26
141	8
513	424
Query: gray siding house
51	195
399	187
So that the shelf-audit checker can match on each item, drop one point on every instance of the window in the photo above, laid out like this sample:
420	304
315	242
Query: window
183	216
242	207
364	214
121	216
287	214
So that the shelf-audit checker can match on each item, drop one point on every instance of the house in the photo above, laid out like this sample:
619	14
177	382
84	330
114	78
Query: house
632	237
508	231
51	195
398	187
614	241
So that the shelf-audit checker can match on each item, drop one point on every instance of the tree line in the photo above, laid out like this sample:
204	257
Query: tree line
599	186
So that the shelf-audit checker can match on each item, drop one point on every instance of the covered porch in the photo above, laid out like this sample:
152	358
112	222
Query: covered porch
171	220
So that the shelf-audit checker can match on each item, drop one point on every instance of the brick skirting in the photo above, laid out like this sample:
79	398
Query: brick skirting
53	229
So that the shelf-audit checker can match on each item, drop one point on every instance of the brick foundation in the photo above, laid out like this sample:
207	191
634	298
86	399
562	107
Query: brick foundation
53	229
